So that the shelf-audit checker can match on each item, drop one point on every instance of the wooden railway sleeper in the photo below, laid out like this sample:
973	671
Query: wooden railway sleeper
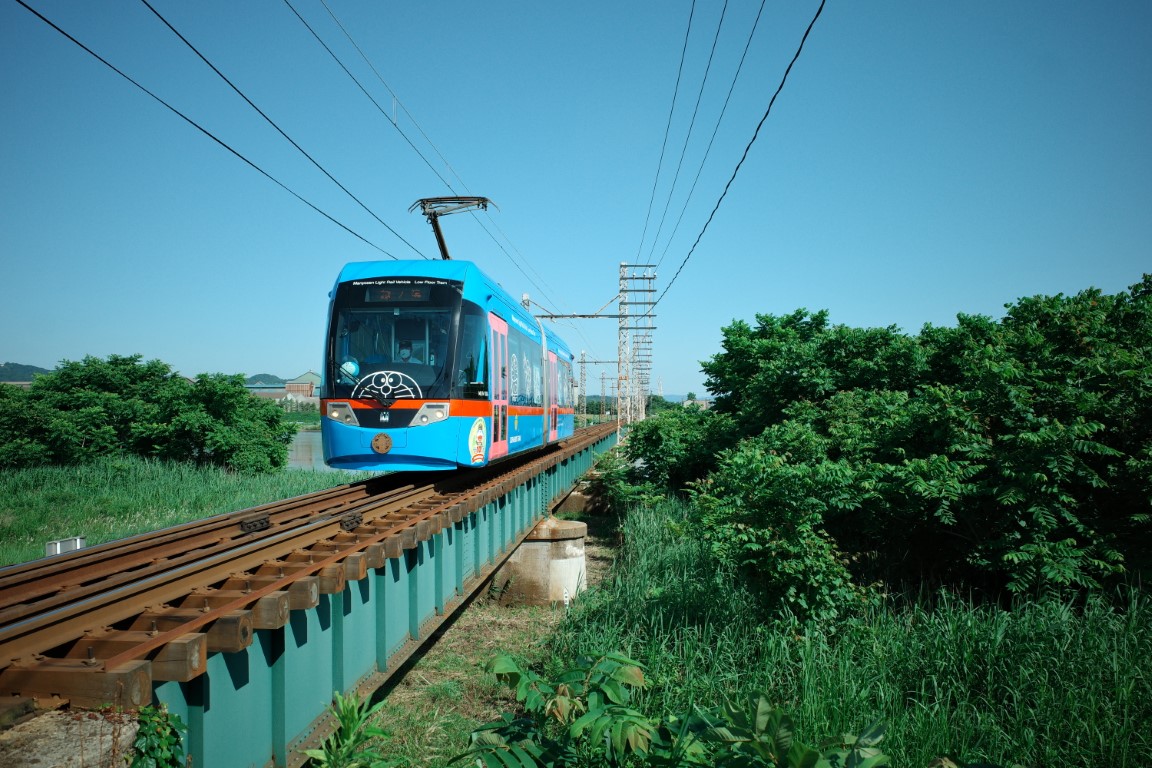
24	581
227	633
408	538
268	612
393	547
303	591
299	573
332	578
116	577
355	564
180	660
131	558
373	553
128	685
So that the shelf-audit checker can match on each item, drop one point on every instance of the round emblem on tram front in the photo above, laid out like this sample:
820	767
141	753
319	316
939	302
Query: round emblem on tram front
382	443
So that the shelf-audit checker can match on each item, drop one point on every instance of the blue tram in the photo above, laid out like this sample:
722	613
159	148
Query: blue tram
430	365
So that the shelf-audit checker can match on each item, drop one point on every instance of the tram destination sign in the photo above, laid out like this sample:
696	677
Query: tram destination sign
399	290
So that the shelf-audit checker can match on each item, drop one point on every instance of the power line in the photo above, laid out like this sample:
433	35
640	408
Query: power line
743	157
365	92
279	130
203	130
715	130
667	130
510	258
691	126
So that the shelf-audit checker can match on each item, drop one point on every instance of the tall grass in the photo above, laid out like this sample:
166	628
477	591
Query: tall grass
119	497
1043	683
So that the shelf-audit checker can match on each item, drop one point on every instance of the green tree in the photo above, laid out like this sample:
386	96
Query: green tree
1005	453
677	446
656	404
800	357
92	408
23	424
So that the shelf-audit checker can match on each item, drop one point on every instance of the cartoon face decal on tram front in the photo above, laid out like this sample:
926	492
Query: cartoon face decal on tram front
477	441
387	385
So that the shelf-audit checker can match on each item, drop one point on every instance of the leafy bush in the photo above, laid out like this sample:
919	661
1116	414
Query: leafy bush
1042	682
801	358
614	481
119	406
999	454
584	717
678	445
764	513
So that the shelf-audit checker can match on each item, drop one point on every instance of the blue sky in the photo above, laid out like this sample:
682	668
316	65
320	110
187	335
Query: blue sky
923	159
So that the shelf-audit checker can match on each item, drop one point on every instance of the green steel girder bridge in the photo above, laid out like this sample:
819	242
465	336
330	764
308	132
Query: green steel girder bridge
245	624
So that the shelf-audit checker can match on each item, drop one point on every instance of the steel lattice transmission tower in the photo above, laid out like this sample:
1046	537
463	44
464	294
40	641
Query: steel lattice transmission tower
634	361
637	289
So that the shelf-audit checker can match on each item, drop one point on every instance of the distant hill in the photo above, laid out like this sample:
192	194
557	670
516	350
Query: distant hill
20	372
266	380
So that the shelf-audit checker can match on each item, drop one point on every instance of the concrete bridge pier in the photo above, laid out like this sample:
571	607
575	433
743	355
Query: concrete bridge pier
548	568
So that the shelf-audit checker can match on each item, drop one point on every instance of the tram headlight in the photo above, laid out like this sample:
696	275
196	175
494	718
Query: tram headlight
341	412
430	413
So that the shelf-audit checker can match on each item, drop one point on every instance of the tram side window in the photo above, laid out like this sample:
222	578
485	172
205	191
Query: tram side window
565	385
472	354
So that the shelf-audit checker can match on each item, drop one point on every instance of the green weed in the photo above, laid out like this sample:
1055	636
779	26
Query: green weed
158	742
351	744
117	497
1043	683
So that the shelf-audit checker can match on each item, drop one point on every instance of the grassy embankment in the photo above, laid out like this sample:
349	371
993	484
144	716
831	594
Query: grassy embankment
305	421
114	498
1046	683
1043	684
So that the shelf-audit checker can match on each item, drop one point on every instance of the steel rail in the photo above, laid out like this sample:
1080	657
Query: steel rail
26	581
103	606
115	570
61	614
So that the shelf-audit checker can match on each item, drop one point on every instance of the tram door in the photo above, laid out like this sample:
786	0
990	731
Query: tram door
553	398
499	387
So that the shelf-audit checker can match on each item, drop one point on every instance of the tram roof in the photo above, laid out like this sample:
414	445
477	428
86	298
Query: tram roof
448	270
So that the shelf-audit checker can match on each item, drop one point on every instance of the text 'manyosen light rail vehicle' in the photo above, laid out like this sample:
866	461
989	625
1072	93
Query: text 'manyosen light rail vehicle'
431	365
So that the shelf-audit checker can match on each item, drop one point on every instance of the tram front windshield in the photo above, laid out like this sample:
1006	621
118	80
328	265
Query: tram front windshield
396	338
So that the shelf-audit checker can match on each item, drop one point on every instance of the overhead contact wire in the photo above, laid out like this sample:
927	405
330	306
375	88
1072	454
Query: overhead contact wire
396	98
204	130
279	130
365	92
534	282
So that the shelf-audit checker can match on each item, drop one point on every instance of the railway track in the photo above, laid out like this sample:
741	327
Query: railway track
102	624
